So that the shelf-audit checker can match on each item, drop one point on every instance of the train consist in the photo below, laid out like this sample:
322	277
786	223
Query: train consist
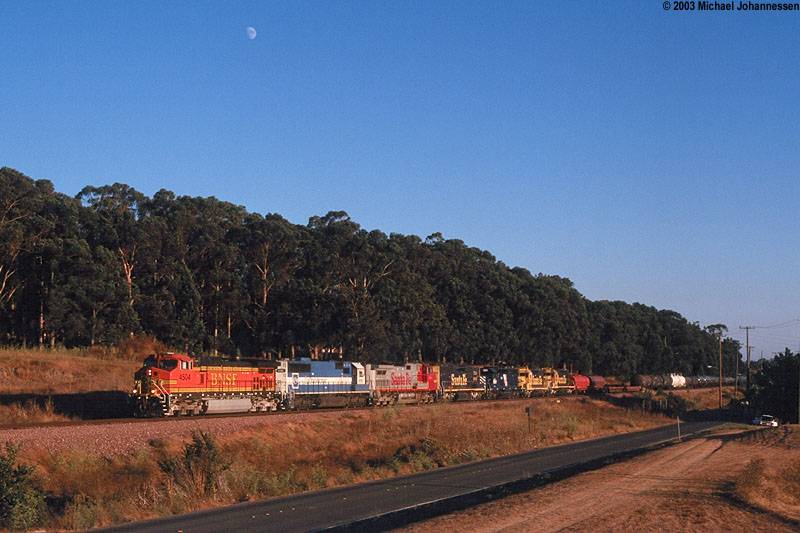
176	384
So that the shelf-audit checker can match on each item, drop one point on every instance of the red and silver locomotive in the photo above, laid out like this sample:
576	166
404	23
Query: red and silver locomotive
411	383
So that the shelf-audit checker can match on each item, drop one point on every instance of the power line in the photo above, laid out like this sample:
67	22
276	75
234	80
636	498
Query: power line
747	379
789	323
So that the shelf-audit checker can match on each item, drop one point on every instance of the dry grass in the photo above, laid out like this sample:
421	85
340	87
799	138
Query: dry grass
29	412
28	377
707	398
771	480
276	459
60	371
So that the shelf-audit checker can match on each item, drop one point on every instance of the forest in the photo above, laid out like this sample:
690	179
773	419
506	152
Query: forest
207	277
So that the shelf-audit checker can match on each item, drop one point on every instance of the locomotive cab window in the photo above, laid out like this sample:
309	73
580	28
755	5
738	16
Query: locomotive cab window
168	364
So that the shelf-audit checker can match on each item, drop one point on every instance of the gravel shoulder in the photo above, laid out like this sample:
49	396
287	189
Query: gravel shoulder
114	438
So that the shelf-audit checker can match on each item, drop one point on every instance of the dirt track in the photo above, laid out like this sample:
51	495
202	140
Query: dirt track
683	487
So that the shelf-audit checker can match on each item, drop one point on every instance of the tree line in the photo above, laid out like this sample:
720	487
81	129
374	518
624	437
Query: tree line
206	276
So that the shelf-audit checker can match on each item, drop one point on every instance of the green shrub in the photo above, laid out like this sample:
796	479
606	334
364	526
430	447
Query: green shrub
319	476
84	512
198	471
434	449
22	504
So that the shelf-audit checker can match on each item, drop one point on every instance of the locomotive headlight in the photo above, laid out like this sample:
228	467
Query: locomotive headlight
152	391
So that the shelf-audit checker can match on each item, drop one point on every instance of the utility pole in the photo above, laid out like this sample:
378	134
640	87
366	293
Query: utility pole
736	383
747	378
720	375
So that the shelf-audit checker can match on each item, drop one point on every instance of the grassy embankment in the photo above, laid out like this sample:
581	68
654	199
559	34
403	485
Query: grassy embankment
28	378
195	471
771	480
79	489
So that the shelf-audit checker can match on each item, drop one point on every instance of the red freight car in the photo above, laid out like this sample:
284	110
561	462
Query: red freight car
171	384
597	384
580	382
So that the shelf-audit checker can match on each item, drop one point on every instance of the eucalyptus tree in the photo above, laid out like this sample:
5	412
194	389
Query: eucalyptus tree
23	228
269	249
777	385
196	255
415	323
555	328
111	220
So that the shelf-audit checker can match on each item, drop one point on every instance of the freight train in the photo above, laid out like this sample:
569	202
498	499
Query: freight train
176	384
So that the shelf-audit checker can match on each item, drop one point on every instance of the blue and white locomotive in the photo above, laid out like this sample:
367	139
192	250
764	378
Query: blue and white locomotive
308	384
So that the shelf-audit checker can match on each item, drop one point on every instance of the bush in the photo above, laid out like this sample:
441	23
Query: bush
21	502
198	471
750	479
429	454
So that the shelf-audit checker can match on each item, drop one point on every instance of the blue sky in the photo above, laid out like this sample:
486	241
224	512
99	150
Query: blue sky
648	155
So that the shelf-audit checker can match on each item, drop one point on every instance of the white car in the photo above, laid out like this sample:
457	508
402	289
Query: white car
765	420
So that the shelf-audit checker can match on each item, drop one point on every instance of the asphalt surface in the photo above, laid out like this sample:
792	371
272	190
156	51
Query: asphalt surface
404	499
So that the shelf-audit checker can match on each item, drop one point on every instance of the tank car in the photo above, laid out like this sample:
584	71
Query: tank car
307	383
411	383
173	384
674	381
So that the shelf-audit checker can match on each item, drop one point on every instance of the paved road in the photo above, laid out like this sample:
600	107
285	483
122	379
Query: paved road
398	498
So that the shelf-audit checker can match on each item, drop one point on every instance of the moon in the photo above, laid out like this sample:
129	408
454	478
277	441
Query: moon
251	33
